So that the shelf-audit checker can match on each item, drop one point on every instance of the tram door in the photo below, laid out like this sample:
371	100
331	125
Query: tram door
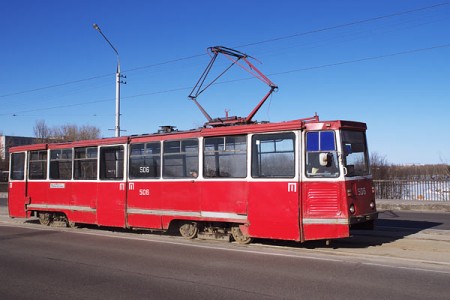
112	187
273	208
17	186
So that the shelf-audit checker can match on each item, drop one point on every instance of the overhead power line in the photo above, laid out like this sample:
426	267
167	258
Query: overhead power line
406	52
363	59
345	25
240	46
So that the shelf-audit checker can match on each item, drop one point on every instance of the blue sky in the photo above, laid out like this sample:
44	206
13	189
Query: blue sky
385	63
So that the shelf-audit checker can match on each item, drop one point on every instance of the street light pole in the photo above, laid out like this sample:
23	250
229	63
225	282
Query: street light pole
118	82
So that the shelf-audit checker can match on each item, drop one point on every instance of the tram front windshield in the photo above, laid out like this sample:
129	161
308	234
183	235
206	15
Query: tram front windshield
356	156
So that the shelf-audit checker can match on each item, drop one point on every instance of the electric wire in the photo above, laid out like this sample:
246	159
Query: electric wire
406	52
344	25
239	46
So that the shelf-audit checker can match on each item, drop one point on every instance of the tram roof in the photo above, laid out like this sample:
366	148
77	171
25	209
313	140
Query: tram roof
300	124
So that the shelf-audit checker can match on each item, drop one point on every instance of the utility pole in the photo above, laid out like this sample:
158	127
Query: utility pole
118	82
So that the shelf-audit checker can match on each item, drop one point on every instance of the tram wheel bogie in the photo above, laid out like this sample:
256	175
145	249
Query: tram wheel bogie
55	219
188	230
45	218
239	236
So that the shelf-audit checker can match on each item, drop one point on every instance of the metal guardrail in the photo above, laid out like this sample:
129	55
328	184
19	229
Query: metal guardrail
427	190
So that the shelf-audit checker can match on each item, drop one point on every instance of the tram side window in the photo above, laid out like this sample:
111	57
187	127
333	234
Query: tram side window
321	155
85	163
180	159
61	164
38	165
145	160
111	163
225	157
273	155
17	166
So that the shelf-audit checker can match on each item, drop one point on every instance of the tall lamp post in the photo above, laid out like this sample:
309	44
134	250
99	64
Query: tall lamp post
118	82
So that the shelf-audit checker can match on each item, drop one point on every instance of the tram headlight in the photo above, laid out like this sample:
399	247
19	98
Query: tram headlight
349	193
372	204
352	209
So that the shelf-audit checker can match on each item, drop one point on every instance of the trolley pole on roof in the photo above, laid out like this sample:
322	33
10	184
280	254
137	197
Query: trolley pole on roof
118	82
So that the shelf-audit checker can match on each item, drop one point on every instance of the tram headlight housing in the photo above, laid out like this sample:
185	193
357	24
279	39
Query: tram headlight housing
352	208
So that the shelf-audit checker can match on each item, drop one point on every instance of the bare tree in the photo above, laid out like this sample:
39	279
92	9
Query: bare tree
71	132
41	130
88	132
63	133
379	166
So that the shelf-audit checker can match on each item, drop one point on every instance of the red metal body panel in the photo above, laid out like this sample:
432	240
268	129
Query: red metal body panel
325	231
37	192
224	196
144	200
361	195
61	192
88	143
78	200
111	203
181	195
28	148
17	199
273	210
324	212
83	194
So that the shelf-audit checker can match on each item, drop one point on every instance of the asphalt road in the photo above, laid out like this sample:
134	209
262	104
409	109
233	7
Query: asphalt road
406	257
40	263
413	220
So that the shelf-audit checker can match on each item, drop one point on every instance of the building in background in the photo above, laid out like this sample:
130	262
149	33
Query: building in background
7	141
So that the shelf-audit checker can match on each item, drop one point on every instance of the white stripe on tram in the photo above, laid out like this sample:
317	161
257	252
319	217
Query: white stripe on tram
338	221
201	214
57	206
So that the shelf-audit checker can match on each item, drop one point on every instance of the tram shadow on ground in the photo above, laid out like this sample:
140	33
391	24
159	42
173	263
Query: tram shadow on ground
386	231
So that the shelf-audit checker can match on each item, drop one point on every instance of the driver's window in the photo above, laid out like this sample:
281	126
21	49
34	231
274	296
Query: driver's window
321	155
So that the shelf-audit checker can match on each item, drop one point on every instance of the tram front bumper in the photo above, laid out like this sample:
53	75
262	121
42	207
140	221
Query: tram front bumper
363	218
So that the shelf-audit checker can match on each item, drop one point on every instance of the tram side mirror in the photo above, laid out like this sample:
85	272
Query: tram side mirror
324	159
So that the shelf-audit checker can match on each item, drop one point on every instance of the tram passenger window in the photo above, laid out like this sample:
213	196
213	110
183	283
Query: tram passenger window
61	164
225	157
180	159
38	165
17	166
273	155
111	163
145	160
85	163
321	155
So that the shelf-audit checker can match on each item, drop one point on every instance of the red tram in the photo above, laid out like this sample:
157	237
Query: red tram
298	180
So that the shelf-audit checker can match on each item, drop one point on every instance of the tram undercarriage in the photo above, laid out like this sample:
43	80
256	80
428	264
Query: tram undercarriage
188	229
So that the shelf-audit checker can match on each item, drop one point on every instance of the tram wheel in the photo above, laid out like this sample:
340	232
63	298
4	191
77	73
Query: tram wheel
66	220
239	237
45	218
189	230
